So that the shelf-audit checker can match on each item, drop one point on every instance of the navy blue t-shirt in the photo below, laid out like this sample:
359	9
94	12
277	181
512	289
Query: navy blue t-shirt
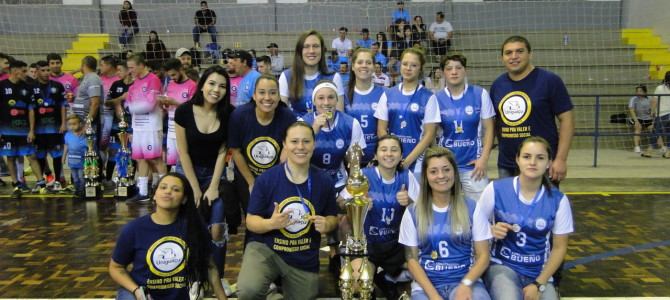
298	243
50	98
525	108
16	101
158	255
261	145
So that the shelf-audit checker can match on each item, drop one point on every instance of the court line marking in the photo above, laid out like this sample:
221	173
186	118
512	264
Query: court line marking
615	252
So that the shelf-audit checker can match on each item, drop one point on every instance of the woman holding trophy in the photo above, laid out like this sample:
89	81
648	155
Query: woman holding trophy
391	190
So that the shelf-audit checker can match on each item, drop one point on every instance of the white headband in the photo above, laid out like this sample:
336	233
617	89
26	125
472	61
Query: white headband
323	85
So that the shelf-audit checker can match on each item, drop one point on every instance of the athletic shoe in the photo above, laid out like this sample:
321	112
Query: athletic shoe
69	188
16	192
138	199
24	187
666	154
647	153
38	187
229	289
56	187
637	149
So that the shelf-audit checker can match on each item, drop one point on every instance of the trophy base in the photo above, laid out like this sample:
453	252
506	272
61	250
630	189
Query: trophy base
124	192
92	192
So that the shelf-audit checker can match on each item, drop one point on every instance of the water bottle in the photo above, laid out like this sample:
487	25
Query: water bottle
566	39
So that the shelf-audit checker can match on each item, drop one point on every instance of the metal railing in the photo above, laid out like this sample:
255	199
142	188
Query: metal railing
597	133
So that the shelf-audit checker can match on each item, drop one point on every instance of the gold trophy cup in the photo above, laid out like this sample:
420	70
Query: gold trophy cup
356	245
92	184
124	165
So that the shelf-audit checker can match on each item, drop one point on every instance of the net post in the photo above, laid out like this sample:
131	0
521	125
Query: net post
596	132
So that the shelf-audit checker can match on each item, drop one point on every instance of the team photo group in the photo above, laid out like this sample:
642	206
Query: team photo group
389	182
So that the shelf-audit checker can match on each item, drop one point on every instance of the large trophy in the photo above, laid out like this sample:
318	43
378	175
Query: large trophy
356	245
125	171
91	171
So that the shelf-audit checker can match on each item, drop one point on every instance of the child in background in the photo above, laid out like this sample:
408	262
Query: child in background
73	152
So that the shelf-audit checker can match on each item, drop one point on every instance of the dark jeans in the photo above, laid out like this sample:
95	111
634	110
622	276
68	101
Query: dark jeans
440	47
197	30
662	127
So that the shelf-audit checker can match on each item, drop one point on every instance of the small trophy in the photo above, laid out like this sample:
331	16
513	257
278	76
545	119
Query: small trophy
92	185
125	171
356	244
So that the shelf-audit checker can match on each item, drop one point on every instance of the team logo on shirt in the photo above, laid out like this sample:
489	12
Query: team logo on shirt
414	107
374	106
24	92
263	151
184	95
403	124
40	101
54	90
469	110
144	89
299	214
515	108
11	102
166	256
540	224
339	143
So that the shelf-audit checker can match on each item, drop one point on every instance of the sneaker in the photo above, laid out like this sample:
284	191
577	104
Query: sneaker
647	154
69	188
38	187
16	192
56	187
229	289
666	154
24	187
139	199
637	149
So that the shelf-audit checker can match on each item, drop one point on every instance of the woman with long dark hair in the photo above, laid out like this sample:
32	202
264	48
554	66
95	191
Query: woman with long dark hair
259	146
155	52
129	25
527	211
166	248
309	67
201	130
442	235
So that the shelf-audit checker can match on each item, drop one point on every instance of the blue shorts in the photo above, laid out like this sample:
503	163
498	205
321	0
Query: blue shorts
49	143
15	146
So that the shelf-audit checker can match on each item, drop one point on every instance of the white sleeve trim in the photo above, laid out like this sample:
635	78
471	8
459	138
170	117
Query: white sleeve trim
382	112
283	85
432	113
408	234
481	225
563	223
487	111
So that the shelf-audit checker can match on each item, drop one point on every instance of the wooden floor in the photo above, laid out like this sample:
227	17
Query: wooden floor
59	248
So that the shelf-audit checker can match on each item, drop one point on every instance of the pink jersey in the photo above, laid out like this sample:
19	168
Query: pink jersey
181	92
68	81
142	103
106	86
234	85
4	76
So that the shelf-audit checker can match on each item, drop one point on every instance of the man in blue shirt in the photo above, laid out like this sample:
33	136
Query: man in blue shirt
366	41
242	62
400	13
528	99
379	57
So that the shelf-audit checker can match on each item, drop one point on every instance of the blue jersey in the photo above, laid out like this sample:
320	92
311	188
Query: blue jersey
298	243
381	58
405	115
528	250
383	220
50	99
363	109
461	125
245	91
365	43
261	145
527	108
16	101
454	251
76	148
304	105
158	254
331	146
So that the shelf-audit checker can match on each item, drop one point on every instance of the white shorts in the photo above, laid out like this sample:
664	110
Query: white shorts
172	154
147	144
473	188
